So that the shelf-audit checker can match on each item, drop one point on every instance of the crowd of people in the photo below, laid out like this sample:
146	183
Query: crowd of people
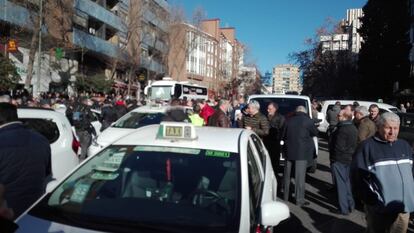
368	162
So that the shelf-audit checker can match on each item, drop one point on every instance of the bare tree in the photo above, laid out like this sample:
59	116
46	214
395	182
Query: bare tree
184	38
56	16
130	56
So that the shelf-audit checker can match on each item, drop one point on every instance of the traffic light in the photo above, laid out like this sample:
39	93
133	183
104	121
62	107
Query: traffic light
59	53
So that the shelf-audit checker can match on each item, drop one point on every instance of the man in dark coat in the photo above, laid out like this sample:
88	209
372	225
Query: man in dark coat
219	118
25	161
331	117
300	150
176	112
343	146
272	141
108	114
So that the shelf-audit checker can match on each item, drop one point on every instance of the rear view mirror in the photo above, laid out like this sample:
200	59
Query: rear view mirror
273	213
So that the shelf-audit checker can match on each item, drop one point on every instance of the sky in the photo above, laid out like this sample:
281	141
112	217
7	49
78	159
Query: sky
271	29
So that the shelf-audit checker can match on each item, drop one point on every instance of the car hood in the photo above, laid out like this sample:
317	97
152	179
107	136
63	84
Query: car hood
112	134
29	223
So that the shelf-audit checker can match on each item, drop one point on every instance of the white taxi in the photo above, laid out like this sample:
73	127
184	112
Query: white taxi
139	117
172	177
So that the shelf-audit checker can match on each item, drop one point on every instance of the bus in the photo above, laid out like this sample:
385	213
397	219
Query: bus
166	89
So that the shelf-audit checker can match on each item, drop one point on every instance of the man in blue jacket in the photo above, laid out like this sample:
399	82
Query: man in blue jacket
25	161
383	169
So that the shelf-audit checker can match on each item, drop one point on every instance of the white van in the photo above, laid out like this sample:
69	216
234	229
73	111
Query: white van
328	104
287	107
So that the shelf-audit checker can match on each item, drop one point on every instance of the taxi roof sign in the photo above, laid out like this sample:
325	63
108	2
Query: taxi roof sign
176	130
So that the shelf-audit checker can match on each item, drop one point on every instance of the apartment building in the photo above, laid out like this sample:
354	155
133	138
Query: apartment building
94	37
349	39
353	22
286	78
206	54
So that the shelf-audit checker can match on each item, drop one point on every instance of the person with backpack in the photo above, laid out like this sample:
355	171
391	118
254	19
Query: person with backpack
82	117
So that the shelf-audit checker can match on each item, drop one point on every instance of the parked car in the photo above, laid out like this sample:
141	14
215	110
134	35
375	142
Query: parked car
328	104
171	177
407	127
141	116
287	107
58	131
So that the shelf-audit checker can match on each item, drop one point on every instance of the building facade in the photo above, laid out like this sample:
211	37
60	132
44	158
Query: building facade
207	55
103	37
353	22
286	78
350	39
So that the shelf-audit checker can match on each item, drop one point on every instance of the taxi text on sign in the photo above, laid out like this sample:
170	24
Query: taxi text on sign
173	131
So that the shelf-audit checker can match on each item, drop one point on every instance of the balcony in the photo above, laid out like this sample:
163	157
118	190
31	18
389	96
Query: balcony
98	45
100	13
150	41
154	19
15	14
152	65
163	4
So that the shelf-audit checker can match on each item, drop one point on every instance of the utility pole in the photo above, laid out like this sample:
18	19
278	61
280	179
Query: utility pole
36	92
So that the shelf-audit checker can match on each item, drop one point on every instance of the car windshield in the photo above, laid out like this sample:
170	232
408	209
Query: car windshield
134	120
126	186
161	92
287	106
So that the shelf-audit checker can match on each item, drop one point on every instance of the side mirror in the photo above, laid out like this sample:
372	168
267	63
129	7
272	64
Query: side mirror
273	213
51	185
146	90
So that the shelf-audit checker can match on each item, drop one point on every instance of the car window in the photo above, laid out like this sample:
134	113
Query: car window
260	149
159	186
394	110
255	186
255	179
407	121
134	120
381	111
45	127
287	106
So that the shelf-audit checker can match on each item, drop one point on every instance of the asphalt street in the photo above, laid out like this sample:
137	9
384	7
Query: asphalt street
320	215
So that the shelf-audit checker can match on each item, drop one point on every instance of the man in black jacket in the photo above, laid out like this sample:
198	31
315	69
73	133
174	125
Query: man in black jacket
108	114
300	150
343	146
272	141
25	161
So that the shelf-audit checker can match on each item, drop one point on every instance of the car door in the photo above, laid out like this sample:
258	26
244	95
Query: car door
270	182
255	178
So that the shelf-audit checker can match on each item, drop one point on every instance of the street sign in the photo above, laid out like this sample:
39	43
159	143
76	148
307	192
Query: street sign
12	46
141	78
